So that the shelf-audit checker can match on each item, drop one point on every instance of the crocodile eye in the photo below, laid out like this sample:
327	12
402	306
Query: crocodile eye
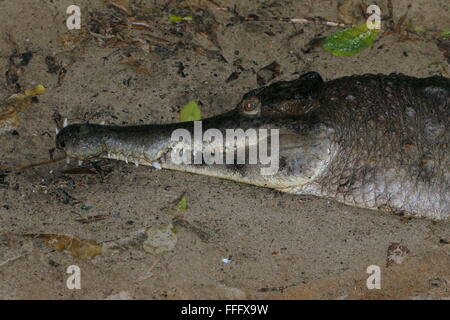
251	106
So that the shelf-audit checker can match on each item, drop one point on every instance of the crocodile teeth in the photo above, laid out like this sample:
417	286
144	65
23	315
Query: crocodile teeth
156	165
57	130
67	160
80	162
102	123
66	123
136	163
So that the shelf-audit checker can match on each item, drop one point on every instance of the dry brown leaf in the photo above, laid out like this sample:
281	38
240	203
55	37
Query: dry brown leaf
268	73
130	61
142	69
75	247
8	121
10	107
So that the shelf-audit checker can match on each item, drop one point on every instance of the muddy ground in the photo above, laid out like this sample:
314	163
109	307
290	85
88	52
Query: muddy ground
277	245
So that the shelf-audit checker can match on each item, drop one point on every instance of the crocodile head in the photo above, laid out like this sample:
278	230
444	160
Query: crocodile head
270	139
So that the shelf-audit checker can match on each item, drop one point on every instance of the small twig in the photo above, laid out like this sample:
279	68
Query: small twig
398	25
321	21
32	165
219	6
280	19
314	20
149	273
12	259
94	218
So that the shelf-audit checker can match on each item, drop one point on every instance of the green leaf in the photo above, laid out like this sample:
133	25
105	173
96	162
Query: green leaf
350	41
178	18
182	204
190	112
176	206
446	33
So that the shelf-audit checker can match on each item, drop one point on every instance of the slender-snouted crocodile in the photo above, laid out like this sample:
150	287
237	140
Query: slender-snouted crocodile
371	141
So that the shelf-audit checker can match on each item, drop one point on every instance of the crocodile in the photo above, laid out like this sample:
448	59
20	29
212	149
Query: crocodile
373	141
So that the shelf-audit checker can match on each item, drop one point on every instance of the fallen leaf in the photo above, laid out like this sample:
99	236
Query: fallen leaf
174	207
142	69
233	77
16	103
190	112
350	41
8	121
130	61
268	73
174	18
39	89
182	204
75	247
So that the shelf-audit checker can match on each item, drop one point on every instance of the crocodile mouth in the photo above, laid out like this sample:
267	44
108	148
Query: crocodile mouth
277	152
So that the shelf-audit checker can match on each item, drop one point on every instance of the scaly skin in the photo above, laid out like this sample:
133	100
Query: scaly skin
372	141
393	137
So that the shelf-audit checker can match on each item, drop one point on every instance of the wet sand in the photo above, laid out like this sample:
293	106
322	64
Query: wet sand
278	245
